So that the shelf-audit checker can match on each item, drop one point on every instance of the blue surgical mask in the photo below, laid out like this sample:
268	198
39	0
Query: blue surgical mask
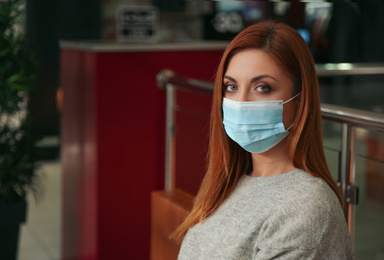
256	126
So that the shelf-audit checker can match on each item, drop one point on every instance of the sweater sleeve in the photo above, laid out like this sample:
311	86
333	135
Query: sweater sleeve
307	229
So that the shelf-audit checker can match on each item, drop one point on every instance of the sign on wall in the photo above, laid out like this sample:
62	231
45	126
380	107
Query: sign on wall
223	25
137	23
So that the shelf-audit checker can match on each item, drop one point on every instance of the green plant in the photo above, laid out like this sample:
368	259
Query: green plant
18	151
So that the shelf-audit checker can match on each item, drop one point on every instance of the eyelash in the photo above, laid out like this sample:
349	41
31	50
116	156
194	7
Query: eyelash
225	87
269	88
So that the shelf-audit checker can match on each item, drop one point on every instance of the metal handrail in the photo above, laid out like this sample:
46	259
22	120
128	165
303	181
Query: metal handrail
167	76
355	117
349	69
351	116
348	117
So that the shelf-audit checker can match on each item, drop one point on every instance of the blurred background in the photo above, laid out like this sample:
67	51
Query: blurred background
101	118
336	32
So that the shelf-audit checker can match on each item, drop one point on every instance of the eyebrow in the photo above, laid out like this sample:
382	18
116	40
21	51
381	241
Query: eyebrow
253	79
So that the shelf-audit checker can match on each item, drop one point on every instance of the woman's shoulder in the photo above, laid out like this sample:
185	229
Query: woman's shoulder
304	199
293	189
305	188
310	215
315	214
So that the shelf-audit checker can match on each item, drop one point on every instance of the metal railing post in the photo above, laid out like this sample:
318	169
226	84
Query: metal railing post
347	173
344	165
169	149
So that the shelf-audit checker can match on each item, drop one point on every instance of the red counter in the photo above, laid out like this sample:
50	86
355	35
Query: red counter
113	132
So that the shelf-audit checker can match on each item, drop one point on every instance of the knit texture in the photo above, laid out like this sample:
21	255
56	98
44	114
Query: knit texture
289	216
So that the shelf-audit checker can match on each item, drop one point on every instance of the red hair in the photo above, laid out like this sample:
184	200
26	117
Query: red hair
227	161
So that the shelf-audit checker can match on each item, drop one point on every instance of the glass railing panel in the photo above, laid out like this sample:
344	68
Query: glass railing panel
332	146
369	177
363	92
190	143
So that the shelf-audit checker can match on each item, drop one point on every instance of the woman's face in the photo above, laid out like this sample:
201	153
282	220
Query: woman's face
253	75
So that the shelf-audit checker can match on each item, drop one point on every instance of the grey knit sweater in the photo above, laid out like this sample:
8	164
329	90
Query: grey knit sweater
289	216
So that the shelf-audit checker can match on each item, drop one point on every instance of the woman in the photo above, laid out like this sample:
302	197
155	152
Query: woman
267	193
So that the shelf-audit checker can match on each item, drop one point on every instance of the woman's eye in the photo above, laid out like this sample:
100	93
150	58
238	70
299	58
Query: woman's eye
263	88
230	88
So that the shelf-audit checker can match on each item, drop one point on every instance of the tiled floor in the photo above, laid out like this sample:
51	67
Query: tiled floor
40	235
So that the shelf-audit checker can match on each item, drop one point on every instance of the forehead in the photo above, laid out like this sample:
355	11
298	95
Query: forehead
254	62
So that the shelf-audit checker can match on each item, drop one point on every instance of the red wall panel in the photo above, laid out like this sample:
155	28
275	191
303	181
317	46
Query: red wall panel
113	132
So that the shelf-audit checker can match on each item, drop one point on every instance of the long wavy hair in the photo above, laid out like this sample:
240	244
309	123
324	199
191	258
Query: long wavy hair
227	161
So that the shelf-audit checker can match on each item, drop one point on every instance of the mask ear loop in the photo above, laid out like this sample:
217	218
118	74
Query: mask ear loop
292	98
289	128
